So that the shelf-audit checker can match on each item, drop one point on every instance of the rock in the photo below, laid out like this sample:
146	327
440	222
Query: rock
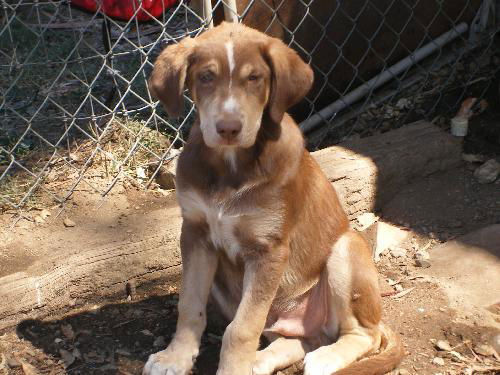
29	369
68	223
140	173
402	371
485	350
45	214
74	156
146	332
57	340
12	362
438	361
422	255
488	172
387	236
39	219
165	178
443	345
366	219
398	252
422	263
67	357
67	331
403	103
159	342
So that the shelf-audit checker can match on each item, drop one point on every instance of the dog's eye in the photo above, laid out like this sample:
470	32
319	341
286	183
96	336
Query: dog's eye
206	77
253	77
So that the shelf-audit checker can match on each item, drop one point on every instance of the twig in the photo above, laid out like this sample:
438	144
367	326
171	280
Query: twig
467	344
426	246
403	293
387	294
494	369
416	277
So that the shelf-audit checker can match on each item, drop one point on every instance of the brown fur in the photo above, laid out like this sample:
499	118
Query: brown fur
284	227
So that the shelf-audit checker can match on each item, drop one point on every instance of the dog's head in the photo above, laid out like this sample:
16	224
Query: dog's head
234	74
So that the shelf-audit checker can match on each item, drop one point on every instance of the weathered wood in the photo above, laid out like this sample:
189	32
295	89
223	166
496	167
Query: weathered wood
366	174
93	272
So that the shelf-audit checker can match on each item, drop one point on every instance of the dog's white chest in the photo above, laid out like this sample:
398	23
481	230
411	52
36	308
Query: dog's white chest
220	220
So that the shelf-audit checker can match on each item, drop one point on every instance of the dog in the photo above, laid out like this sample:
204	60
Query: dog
264	234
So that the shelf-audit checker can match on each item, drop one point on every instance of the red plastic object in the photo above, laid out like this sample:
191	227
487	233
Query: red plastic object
126	9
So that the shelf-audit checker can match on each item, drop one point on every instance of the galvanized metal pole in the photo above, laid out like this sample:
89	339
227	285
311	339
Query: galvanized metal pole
230	11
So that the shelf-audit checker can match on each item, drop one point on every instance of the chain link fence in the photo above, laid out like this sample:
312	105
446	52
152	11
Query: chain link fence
76	114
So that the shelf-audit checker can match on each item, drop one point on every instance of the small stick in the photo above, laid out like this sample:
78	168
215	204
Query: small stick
473	353
387	294
403	293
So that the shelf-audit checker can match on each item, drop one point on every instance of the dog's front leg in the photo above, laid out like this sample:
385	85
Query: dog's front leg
263	273
199	263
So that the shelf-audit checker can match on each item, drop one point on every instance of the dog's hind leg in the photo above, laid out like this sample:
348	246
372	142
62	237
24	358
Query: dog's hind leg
354	307
279	354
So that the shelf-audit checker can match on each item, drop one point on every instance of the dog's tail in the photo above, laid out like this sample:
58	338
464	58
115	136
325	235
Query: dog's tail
391	354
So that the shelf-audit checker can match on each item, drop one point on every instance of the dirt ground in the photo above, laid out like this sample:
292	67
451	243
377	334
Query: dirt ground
116	335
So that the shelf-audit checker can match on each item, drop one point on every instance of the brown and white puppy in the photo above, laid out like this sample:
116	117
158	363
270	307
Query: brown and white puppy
263	231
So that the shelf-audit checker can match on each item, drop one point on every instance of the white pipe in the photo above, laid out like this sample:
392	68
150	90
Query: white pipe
230	11
377	81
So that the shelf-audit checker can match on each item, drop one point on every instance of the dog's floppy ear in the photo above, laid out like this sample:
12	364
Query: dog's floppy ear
292	78
168	78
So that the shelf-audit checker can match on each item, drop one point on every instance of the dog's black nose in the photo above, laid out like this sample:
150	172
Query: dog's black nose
228	129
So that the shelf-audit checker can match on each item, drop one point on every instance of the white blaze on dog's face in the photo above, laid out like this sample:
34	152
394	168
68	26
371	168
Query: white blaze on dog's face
230	84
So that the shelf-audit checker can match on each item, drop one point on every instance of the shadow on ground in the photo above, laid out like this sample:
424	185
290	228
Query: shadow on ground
116	338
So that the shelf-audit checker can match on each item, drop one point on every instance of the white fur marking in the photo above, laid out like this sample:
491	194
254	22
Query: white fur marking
230	157
220	222
230	60
230	105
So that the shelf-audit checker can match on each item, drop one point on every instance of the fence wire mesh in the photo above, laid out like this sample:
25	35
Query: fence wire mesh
76	114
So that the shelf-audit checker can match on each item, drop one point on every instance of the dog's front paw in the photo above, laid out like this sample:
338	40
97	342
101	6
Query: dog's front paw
168	362
322	362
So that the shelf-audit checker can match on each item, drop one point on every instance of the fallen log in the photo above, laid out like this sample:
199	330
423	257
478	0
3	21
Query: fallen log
366	173
91	274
